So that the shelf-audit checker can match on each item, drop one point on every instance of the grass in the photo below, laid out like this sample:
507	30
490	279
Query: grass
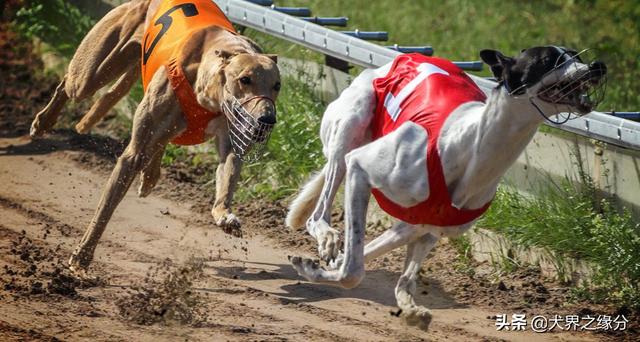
463	263
174	153
57	22
573	219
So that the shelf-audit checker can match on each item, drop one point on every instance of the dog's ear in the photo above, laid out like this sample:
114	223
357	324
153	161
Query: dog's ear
223	54
497	61
272	57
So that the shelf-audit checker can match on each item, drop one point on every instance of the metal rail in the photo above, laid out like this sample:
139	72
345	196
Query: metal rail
296	11
327	21
368	35
425	50
626	115
595	125
262	2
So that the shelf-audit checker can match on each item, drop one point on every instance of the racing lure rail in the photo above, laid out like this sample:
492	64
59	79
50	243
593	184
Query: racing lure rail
596	125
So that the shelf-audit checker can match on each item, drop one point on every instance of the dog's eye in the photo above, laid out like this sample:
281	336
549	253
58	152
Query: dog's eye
277	86
245	80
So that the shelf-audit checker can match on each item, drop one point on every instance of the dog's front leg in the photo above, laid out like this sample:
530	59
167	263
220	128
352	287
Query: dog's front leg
227	176
400	234
121	177
158	119
351	272
405	289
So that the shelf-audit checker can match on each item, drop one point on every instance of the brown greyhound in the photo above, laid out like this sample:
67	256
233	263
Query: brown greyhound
211	71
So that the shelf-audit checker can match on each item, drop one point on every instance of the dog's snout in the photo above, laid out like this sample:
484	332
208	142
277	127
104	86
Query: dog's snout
267	119
599	68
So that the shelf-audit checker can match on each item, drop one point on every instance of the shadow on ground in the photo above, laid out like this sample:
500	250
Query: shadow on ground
378	286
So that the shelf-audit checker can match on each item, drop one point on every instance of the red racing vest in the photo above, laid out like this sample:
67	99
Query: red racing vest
170	28
424	90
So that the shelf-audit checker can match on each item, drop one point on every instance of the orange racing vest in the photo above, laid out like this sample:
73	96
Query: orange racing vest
172	26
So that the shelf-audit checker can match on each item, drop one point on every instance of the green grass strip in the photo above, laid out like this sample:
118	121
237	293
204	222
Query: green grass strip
573	219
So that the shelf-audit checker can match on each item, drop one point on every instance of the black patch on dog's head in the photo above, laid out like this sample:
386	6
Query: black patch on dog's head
528	67
496	61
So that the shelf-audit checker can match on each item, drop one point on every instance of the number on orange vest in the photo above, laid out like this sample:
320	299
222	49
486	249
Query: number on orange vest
188	10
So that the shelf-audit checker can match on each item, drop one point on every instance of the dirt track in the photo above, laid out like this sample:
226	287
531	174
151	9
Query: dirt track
247	289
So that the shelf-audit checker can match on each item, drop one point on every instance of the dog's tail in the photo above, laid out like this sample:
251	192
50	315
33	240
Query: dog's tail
302	207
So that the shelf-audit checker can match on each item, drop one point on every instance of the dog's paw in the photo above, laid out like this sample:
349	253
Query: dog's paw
228	220
35	131
328	244
230	224
78	268
82	127
306	267
146	185
417	315
336	263
144	190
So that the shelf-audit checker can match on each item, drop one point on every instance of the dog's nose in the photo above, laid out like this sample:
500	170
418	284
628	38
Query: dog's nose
598	67
267	119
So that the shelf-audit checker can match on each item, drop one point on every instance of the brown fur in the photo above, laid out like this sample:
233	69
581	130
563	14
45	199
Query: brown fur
214	59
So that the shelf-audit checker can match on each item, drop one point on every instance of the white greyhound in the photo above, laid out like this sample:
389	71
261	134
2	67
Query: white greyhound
419	134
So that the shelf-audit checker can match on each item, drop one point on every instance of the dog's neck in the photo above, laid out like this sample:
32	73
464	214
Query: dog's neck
481	141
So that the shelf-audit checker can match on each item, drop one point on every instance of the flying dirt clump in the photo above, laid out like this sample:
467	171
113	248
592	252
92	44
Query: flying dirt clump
37	270
166	296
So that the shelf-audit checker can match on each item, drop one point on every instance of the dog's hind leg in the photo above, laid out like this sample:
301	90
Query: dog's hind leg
393	164
108	100
105	53
47	117
109	50
150	174
406	287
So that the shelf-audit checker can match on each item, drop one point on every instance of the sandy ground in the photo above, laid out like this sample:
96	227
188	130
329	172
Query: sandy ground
167	273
